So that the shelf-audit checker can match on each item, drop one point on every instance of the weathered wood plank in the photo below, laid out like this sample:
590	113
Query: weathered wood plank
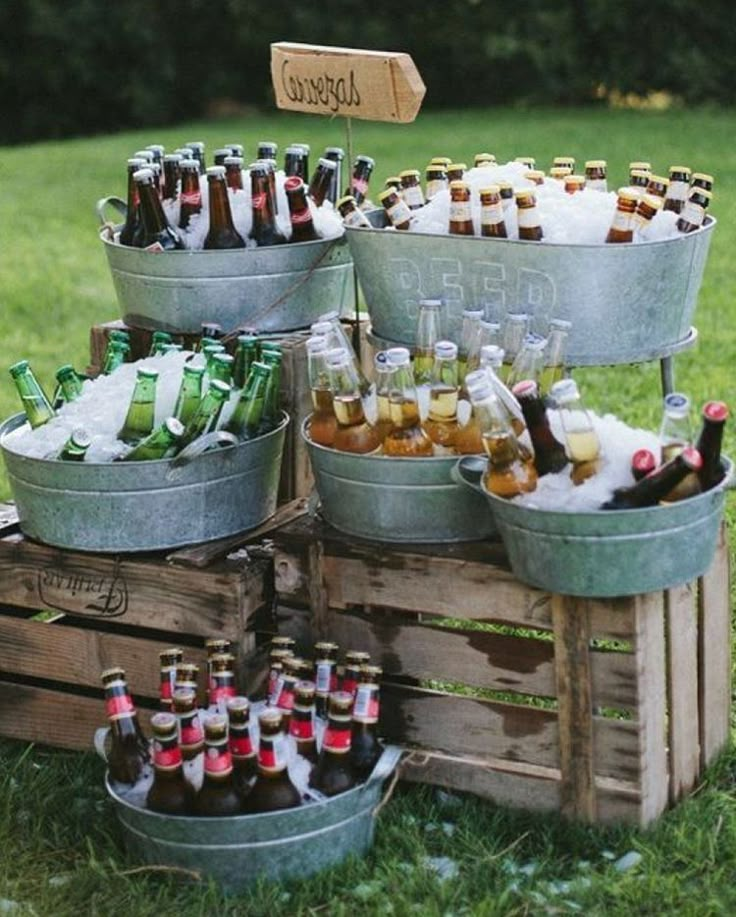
682	687
575	712
714	653
318	601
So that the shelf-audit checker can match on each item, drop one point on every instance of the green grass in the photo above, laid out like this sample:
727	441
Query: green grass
60	850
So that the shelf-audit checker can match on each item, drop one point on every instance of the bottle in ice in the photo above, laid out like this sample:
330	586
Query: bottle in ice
383	373
555	354
215	646
246	419
234	172
406	437
583	445
693	213
678	189
492	222
659	484
456	171
219	794
334	772
428	333
164	441
273	788
461	218
172	176
322	421
246	353
186	677
468	356
190	393
284	701
530	226
362	171
302	224
75	448
220	366
365	749
529	361
156	234
675	431
436	180
68	385
222	232
301	724
341	337
264	230
337	155
643	462
322	181
622	227
272	358
515	329
442	424
354	662
132	225
205	418
325	674
191	735
129	749
397	210
295	162
33	398
353	432
715	414
596	175
351	214
168	661
240	743
222	680
197	147
549	454
411	189
170	793
139	419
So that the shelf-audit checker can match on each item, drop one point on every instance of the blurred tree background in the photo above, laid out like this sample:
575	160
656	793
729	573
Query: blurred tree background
85	66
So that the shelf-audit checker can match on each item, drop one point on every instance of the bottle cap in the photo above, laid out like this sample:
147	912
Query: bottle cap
681	170
293	183
233	161
215	726
409	173
328	164
534	175
491	355
658	180
517	318
317	344
440	161
380	361
527	388
235	148
628	194
560	324
173	157
702	192
321	327
337	151
596	164
490	189
564	391
456	166
163	723
195	145
271	717
398	356
216	172
185	152
475	315
223	151
716	411
445	350
137	161
65	371
434	168
348	199
692	458
484	157
651	200
458	185
189	164
640	166
81	438
560	171
174	426
146	155
220	388
147	374
533	341
479	386
702	176
386	194
366	159
237	704
676	405
113	671
143	176
504	185
644	461
430	303
337	356
564	161
526	161
525	193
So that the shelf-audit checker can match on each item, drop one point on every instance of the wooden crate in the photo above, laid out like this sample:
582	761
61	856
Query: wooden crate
65	616
604	710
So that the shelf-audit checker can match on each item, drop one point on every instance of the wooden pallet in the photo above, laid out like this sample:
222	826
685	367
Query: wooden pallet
604	710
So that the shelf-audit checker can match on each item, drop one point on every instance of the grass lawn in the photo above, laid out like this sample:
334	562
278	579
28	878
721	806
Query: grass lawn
59	847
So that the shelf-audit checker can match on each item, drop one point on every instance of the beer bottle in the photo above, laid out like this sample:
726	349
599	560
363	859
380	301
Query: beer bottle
333	772
456	172
301	724
559	174
130	227
205	418
555	354
168	661
197	148
675	431
295	163
158	339
647	208
341	338
715	414
441	425
406	436
302	225
322	423
396	208
383	374
643	462
276	659
490	333
191	736
638	180
156	234
209	351
273	788
69	384
75	448
215	646
443	161
116	354
436	180
362	171
529	161
35	402
185	152
222	685
139	419
221	367
246	354
596	171
270	415
516	328
508	475
145	155
190	393
428	333
506	190
549	454
172	176
170	793
353	432
325	673
335	154
118	334
155	167
219	156
622	227
461	219
529	361
678	188
351	214
411	189
306	150
469	349
530	228
160	444
267	149
482	160
264	231
394	181
657	185
186	677
354	661
292	671
219	795
491	361
564	162
693	213
583	444
222	232
240	743
535	175
365	749
322	180
492	222
210	330
246	419
129	748
659	484
702	180
574	183
171	348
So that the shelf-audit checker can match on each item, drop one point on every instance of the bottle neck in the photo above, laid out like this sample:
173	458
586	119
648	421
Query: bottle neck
152	213
221	218
263	214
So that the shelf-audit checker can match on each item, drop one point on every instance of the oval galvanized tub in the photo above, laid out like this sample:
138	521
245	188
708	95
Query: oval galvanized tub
145	506
242	849
606	553
628	303
412	500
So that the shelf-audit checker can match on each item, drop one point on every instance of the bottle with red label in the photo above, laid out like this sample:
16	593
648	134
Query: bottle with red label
156	234
287	683
129	748
301	725
334	772
295	162
276	657
240	743
170	793
187	677
365	749
169	659
131	226
190	196
322	180
264	231
219	794
325	673
222	233
191	735
302	224
273	788
215	646
362	171
222	686
354	659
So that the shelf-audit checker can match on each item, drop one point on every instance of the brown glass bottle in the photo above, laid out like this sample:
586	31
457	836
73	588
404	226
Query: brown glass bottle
191	736
461	220
156	234
131	226
295	162
411	189
187	677
715	414
657	185
276	658
456	171
657	485
322	180
129	748
334	772
549	454
365	749
169	659
190	196
492	222
301	725
264	231
622	227
530	227
170	793
643	462
574	183
240	743
362	171
596	171
351	214
435	180
678	189
222	685
273	788
222	233
302	225
396	209
219	795
325	674
285	700
234	172
693	213
337	155
647	208
354	661
215	646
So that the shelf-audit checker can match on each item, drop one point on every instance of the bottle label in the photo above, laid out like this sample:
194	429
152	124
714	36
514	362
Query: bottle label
678	191
399	212
191	198
259	200
285	699
693	213
217	759
323	682
413	196
435	186
155	247
596	184
166	690
355	218
621	221
118	705
337	739
278	686
241	746
349	683
301	725
460	211
491	214
360	185
528	217
366	707
166	757
220	693
301	216
272	753
190	730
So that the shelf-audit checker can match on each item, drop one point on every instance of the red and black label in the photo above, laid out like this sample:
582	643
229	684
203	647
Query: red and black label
191	733
166	754
117	700
301	725
241	745
272	753
217	759
337	737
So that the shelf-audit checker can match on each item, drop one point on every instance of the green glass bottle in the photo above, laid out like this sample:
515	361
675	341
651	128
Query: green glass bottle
76	447
117	334
270	415
139	419
163	441
209	350
116	354
205	341
169	348
69	384
221	367
245	356
33	398
158	339
190	393
205	418
246	418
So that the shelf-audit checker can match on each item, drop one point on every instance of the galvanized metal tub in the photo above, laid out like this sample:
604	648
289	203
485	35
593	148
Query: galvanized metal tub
411	500
280	288
242	849
606	553
627	303
145	506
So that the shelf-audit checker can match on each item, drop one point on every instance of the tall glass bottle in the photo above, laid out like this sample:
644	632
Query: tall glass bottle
596	173
383	373
221	680
622	227
675	431
354	662
435	177
583	444
205	418
132	213
490	334
270	416
322	180
406	436
219	795
240	742
678	189
342	339
301	723
116	353
190	196
362	171
190	393
325	674
461	219
221	367
246	418
715	415
295	162
273	788
246	354
156	234
191	734
234	172
168	661
353	432
172	176
197	147
75	448
530	226
396	209
264	231
442	426
411	189
491	362
549	454
659	484
139	419
33	398
337	155
515	329
129	748
162	442
158	340
222	233
170	793
428	333
555	354
492	222
365	749
322	423
529	361
469	349
302	224
334	772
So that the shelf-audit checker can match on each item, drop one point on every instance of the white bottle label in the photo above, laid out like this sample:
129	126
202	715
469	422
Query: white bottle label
355	218
621	221
491	214
435	186
399	213
528	217
678	191
413	196
597	184
693	213
459	211
324	672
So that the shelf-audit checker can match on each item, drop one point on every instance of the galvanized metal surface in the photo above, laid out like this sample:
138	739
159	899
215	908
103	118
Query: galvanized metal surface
396	499
241	849
627	303
606	553
280	288
145	506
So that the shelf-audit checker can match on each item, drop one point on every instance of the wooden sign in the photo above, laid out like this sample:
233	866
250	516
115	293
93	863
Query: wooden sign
372	85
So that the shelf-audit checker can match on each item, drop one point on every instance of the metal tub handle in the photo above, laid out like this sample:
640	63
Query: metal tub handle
100	740
468	471
117	203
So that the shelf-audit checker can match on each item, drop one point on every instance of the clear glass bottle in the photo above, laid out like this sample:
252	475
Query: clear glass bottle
407	436
353	433
515	329
428	333
555	354
383	373
675	431
529	361
583	444
442	425
322	422
469	349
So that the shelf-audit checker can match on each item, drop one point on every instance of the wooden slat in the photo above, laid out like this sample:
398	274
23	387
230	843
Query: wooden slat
714	654
318	602
575	713
682	688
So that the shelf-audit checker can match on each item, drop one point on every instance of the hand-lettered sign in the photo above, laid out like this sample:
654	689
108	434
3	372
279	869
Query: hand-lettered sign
372	85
